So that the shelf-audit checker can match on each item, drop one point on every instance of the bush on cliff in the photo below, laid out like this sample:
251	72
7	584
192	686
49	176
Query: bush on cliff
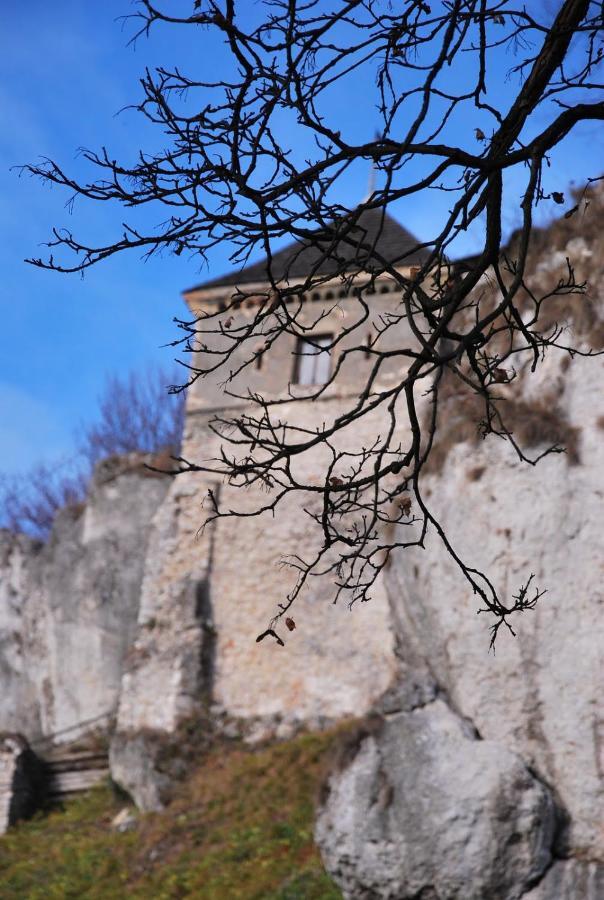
136	414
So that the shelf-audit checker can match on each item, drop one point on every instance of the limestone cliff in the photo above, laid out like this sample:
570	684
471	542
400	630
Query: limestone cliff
477	775
405	818
68	608
405	814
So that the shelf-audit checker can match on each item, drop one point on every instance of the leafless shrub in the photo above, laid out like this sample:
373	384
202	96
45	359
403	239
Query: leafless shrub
136	414
29	502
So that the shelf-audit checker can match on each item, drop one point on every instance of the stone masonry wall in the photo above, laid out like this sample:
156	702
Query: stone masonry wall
207	596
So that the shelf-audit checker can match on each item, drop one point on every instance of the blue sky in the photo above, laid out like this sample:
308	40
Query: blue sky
65	71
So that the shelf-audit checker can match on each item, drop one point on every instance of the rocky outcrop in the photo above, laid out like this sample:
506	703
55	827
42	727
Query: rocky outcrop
19	703
205	596
90	574
535	704
135	766
401	820
570	880
425	809
68	608
539	695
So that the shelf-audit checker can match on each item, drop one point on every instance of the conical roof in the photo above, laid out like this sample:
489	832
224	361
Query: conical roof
374	227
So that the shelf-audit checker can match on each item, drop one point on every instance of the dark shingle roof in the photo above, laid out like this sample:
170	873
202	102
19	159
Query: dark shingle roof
297	260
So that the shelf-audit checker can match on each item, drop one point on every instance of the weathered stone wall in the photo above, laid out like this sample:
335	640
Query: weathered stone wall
207	595
22	780
19	707
68	608
325	312
91	572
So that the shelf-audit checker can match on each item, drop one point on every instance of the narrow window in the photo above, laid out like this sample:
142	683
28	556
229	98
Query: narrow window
313	364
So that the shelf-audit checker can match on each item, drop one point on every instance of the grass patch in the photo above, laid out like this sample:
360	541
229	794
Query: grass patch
240	827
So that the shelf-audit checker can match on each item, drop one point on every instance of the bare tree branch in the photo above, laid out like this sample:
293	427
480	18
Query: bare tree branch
231	173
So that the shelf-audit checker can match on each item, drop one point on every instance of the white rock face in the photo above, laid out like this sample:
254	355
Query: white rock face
68	609
570	880
19	707
540	695
538	701
426	810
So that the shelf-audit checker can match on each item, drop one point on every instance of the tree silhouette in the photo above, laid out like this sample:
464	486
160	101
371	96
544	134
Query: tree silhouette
232	172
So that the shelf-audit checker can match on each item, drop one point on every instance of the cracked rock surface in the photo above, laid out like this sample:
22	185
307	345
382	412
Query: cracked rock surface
68	608
540	694
426	810
570	880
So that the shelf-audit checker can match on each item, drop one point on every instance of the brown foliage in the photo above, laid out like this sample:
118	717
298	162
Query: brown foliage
532	423
580	313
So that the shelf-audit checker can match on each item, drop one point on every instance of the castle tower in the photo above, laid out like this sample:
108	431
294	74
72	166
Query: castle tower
206	596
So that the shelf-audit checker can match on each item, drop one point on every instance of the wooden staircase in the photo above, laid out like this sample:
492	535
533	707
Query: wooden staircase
73	770
52	773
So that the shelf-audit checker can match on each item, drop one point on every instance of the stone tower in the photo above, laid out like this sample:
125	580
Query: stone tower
207	595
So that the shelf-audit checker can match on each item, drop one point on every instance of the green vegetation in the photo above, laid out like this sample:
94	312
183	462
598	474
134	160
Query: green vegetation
239	827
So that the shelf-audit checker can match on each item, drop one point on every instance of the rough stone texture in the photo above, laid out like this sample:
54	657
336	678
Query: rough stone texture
173	644
426	810
570	880
92	574
68	608
539	698
133	759
540	695
22	781
19	709
167	675
206	596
